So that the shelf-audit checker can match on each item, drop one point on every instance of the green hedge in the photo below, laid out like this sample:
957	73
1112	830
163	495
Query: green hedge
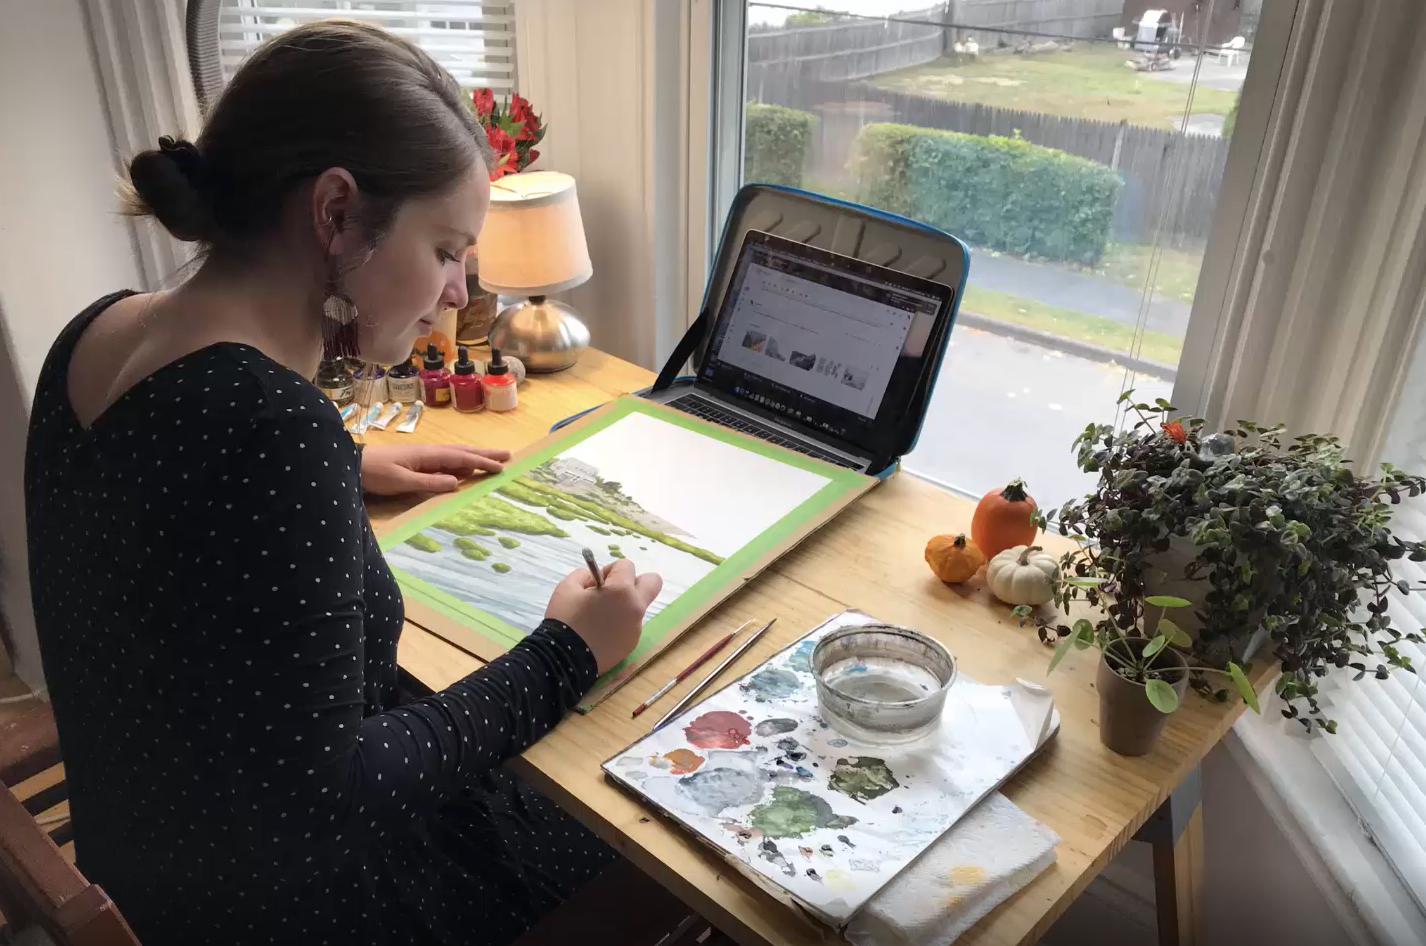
776	144
1000	193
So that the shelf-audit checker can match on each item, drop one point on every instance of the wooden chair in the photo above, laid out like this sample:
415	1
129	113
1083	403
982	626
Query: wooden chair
39	888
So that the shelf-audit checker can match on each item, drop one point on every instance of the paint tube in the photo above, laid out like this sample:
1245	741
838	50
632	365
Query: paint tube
348	413
372	413
413	414
387	416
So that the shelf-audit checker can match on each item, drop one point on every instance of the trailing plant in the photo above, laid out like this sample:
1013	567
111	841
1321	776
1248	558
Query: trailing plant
1286	536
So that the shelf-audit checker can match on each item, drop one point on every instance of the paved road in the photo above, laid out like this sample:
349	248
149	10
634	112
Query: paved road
1071	289
1004	408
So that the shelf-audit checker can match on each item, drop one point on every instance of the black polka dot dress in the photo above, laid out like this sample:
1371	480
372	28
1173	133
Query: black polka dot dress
218	630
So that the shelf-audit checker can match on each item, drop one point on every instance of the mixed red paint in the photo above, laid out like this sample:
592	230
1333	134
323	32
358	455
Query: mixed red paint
718	730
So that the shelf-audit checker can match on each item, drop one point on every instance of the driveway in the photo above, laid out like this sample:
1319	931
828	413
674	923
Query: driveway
1004	408
1071	289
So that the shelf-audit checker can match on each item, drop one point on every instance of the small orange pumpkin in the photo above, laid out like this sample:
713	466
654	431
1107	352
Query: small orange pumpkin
1004	519
953	558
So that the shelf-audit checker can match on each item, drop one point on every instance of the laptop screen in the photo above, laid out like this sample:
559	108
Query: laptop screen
821	339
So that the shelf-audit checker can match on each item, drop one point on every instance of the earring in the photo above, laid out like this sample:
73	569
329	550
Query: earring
339	324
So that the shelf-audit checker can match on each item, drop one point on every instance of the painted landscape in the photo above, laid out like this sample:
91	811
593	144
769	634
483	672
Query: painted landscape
757	773
504	551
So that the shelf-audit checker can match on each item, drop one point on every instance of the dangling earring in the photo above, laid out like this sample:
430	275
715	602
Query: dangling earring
339	324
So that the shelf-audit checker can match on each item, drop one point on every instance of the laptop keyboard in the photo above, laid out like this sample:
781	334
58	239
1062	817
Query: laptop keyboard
707	410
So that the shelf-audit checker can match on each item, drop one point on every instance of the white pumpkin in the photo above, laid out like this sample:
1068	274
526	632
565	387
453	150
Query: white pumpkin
1023	575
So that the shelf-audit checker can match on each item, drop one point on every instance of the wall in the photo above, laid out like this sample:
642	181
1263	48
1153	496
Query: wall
1256	892
61	244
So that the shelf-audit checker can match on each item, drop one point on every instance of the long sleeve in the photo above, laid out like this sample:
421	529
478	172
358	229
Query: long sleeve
291	538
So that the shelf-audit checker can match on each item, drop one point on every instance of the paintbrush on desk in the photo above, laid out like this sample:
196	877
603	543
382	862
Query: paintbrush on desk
693	694
683	674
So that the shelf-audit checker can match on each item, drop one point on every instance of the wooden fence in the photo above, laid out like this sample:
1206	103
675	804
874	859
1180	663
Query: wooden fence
852	49
1171	180
1078	18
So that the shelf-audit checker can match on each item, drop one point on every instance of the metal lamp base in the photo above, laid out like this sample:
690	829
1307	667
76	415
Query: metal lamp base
545	334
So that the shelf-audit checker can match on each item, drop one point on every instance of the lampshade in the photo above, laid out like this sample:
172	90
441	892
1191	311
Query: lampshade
533	240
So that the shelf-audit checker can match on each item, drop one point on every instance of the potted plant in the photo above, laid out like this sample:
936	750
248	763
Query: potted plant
1285	542
513	132
1144	668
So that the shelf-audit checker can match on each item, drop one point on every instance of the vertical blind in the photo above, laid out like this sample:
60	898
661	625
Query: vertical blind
474	41
1378	756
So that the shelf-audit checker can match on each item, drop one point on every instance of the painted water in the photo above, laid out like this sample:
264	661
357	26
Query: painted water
535	565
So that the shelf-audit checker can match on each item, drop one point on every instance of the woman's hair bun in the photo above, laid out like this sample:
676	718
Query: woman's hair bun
169	185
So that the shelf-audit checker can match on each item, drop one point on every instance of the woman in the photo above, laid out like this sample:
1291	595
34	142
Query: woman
217	623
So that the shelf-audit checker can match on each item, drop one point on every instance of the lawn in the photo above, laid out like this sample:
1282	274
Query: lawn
1128	264
1068	323
1088	81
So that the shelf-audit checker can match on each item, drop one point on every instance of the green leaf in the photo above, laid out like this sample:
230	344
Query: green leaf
1155	645
1163	696
1083	634
1168	601
1177	636
1084	582
1245	688
1061	649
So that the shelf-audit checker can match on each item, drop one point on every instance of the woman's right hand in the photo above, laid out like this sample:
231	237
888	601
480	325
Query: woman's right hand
609	618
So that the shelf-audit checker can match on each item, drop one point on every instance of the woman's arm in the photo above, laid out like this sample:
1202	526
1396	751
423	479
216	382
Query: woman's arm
290	687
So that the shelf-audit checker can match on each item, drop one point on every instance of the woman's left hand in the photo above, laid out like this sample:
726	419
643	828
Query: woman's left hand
388	469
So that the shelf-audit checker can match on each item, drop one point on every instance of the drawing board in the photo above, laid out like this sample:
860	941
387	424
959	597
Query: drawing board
705	507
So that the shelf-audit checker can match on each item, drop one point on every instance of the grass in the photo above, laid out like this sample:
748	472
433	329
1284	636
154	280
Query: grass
489	512
1128	264
423	542
1089	81
1069	323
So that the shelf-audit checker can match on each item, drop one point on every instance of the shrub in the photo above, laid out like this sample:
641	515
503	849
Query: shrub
776	144
1000	193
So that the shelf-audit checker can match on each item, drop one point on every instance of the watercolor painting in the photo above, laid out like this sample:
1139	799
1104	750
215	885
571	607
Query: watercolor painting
704	507
755	772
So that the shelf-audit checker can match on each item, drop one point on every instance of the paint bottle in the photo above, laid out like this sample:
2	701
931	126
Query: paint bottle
499	384
403	383
435	379
335	381
466	390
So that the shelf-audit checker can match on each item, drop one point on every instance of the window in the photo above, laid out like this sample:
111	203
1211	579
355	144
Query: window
1077	149
475	41
1378	757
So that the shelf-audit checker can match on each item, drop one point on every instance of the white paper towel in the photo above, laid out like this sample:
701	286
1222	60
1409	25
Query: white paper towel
991	853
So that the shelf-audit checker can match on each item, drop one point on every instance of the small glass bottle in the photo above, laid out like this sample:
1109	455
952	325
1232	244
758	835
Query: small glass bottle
335	381
466	391
403	383
499	384
435	379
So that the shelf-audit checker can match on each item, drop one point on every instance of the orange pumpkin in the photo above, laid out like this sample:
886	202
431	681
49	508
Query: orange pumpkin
1004	519
952	558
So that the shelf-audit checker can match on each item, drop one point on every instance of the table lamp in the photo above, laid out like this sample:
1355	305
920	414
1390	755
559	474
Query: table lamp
533	245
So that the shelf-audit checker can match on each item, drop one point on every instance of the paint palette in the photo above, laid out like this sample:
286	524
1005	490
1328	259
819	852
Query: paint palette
755	772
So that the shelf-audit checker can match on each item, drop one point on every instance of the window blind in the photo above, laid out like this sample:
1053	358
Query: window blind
1378	756
474	41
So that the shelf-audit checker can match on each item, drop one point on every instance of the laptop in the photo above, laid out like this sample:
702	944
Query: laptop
827	355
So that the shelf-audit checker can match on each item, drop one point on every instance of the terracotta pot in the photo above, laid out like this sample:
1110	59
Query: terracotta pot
1128	723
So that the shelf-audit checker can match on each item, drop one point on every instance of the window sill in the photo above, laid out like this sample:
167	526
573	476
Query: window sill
1359	884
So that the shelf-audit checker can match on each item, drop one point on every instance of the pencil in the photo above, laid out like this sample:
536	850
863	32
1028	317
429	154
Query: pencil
693	694
683	674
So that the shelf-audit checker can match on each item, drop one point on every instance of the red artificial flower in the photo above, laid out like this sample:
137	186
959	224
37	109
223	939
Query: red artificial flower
1175	431
521	112
484	100
507	159
531	157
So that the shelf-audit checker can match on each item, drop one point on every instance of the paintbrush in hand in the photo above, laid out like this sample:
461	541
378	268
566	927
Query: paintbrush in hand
683	674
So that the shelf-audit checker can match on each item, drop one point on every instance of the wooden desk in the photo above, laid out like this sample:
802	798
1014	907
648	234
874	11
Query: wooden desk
870	558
